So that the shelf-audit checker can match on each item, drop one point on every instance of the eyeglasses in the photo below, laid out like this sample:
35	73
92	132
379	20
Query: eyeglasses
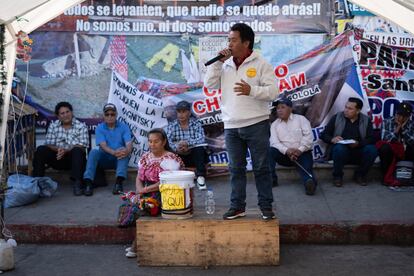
110	114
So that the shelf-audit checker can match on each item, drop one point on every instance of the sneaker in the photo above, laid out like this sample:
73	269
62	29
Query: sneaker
361	180
234	213
337	181
310	187
129	249
88	190
131	254
201	183
267	214
275	183
117	189
77	188
88	187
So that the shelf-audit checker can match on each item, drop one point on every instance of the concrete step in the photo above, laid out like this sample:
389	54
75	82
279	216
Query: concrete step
351	214
397	233
322	171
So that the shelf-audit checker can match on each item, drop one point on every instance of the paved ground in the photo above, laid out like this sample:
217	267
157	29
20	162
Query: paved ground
73	260
380	215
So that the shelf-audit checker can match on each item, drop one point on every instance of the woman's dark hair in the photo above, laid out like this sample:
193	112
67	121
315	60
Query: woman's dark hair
62	104
359	103
163	135
246	33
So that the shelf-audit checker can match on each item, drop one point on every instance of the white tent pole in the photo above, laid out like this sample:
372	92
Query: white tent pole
9	62
12	33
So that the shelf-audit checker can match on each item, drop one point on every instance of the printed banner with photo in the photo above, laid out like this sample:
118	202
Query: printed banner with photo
386	70
75	64
70	63
319	84
140	111
60	72
205	105
193	17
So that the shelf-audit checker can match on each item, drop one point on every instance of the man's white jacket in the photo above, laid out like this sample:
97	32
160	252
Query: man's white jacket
242	111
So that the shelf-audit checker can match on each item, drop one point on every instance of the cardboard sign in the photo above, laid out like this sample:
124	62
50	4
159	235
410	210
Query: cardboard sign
172	197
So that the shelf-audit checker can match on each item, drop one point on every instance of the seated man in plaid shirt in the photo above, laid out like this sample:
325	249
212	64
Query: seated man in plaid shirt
397	141
186	138
65	147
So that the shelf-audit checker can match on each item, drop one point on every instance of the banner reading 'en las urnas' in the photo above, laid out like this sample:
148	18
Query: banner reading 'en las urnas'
386	70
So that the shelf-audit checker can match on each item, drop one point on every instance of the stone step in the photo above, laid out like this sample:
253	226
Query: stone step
392	233
322	171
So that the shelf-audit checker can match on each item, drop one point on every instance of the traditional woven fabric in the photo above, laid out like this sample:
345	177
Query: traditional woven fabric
119	56
127	215
149	166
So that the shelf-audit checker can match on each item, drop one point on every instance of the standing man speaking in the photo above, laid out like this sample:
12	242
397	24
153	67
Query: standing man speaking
248	85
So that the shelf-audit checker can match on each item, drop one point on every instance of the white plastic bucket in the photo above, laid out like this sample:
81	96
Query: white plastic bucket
176	194
404	172
6	256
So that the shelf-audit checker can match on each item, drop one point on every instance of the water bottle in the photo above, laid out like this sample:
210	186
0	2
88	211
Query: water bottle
210	203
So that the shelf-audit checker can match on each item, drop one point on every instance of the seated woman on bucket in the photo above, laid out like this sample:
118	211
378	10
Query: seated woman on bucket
158	159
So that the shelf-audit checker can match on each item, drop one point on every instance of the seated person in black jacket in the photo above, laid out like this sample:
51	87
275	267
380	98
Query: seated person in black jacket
351	140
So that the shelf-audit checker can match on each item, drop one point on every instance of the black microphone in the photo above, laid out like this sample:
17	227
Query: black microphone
211	61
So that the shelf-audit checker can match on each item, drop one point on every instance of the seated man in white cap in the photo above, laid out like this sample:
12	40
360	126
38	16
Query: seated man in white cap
115	144
291	144
186	138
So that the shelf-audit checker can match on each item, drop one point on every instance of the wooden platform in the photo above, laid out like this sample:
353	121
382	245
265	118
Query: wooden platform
207	242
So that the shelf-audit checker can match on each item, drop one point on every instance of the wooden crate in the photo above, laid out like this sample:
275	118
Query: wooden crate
207	242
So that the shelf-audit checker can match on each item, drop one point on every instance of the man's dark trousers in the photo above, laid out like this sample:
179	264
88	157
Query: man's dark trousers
198	158
305	160
75	161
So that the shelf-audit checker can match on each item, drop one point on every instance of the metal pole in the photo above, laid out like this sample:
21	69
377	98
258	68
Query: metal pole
303	169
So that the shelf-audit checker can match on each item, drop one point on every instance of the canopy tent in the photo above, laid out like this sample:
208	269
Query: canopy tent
22	15
27	15
400	12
